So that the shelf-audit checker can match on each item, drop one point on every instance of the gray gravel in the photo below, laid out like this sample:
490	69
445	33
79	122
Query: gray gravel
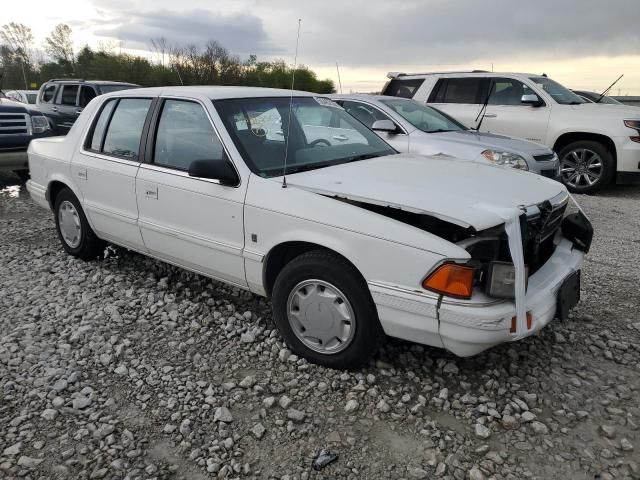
130	368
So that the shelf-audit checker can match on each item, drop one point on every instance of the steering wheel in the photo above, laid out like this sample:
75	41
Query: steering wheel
320	142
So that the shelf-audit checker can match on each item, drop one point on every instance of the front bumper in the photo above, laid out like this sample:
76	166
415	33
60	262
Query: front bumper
550	169
13	160
469	327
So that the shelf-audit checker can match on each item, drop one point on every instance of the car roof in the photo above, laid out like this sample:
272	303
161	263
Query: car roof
213	92
366	97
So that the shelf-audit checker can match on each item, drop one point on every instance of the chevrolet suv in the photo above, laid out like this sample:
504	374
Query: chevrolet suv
597	144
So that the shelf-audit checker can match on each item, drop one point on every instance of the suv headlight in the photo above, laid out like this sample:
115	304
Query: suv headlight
506	159
39	124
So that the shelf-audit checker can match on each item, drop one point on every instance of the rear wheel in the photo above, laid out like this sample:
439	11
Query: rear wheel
586	166
74	231
325	312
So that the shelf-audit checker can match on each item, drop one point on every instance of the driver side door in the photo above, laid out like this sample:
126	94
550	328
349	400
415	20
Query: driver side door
192	222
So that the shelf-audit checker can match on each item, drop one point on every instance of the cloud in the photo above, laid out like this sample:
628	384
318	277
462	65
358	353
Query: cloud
241	33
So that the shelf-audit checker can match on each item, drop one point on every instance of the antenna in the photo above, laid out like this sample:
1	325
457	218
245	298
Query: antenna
293	80
339	81
609	88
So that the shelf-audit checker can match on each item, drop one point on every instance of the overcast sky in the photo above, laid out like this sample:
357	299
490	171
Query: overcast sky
581	43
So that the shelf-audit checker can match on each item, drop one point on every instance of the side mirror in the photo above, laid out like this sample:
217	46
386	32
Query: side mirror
384	126
215	169
531	99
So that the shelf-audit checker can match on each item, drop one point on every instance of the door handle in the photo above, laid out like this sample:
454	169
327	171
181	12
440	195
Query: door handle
340	138
54	109
151	192
490	115
82	173
79	111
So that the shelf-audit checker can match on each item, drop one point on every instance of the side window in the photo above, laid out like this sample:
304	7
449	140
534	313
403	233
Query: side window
365	113
402	88
185	134
48	93
460	90
125	128
87	94
100	126
507	91
68	95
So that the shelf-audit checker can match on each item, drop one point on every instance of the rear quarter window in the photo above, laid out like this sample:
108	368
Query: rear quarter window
405	88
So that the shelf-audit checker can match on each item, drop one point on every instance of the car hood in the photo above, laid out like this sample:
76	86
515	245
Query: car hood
613	111
11	106
484	141
464	193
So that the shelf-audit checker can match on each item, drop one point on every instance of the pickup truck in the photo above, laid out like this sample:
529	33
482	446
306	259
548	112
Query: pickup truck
597	144
19	124
349	239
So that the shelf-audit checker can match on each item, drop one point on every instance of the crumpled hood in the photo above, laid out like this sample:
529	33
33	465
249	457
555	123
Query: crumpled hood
496	142
458	191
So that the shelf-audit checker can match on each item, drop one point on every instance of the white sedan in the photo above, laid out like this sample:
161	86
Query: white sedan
357	242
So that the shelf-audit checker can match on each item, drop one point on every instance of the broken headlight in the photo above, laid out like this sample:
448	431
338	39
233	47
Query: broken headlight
506	159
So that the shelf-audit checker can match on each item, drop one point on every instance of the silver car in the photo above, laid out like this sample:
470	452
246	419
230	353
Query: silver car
413	127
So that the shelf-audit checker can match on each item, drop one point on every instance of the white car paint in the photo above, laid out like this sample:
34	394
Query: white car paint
227	233
546	124
464	144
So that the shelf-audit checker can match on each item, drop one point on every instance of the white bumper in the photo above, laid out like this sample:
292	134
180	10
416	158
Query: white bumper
38	194
469	327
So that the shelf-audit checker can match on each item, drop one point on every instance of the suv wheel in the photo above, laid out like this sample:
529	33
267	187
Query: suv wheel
325	312
586	166
75	233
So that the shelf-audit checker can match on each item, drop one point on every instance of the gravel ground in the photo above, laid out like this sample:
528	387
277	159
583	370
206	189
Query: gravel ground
129	368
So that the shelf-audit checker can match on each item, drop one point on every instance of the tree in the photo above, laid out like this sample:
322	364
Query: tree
59	44
18	38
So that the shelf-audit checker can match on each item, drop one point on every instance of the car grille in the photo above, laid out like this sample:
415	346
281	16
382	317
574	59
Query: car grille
539	229
547	157
14	124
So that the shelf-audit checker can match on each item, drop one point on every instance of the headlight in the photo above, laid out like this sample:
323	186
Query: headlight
506	159
635	124
39	124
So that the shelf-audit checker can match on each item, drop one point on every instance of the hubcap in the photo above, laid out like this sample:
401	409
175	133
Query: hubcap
321	316
69	222
581	168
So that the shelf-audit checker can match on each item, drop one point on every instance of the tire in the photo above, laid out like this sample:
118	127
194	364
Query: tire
584	156
23	175
337	290
85	245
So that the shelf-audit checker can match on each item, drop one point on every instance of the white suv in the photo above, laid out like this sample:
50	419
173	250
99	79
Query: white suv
597	144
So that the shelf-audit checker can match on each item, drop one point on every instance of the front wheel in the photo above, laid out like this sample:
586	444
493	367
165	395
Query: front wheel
325	312
74	231
586	166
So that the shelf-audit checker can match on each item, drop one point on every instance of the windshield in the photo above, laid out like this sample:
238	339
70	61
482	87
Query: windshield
422	117
609	101
114	88
560	94
321	134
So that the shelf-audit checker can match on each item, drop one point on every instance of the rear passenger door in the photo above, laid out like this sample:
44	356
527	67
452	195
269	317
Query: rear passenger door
66	104
460	97
193	222
105	169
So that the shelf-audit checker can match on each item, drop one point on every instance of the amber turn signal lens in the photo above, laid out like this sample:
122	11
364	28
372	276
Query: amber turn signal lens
452	280
514	322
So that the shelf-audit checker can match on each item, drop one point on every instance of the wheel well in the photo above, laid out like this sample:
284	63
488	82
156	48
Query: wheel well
282	254
54	189
567	138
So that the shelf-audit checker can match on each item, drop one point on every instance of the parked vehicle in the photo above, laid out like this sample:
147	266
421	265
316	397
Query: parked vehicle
62	99
19	124
362	241
593	97
23	96
597	144
414	127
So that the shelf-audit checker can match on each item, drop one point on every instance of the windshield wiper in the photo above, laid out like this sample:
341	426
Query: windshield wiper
575	103
440	130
